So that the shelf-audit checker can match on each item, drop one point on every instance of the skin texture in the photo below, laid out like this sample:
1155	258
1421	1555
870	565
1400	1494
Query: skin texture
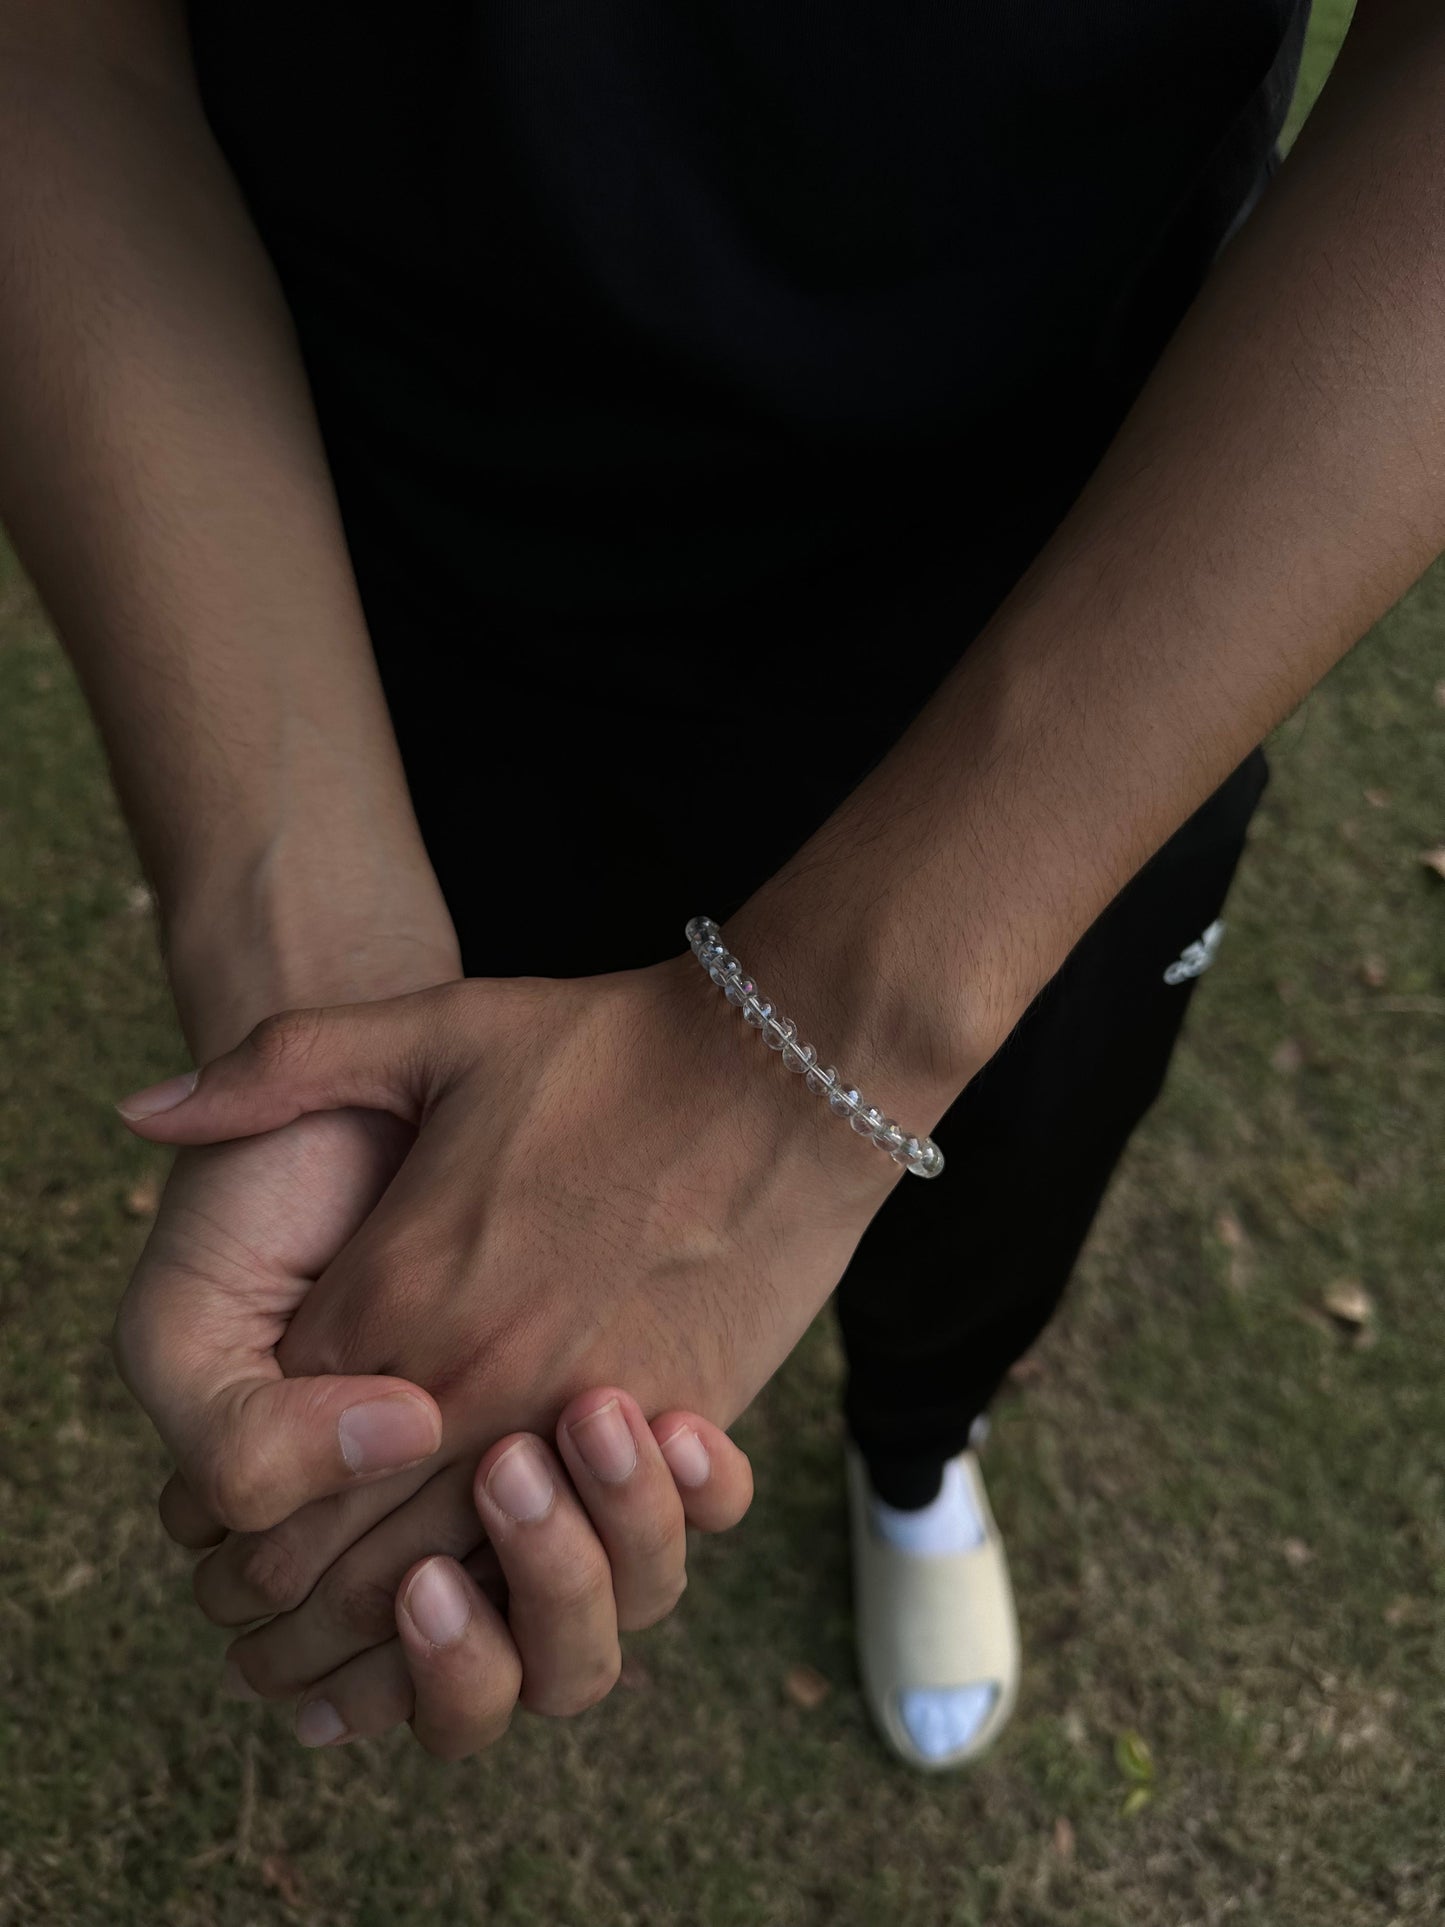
698	1253
1277	486
247	1227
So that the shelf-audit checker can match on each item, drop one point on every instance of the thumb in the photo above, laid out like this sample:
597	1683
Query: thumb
392	1055
251	1445
268	1447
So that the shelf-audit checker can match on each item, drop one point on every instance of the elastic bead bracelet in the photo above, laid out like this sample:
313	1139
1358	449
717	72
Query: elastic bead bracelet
921	1156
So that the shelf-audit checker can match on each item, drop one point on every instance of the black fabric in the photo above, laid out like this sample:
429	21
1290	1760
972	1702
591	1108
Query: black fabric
697	378
574	835
660	307
941	1299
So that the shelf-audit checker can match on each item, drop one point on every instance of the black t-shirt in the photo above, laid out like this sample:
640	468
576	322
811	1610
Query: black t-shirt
644	305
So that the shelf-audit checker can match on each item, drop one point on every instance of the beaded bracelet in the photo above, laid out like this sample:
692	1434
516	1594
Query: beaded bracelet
921	1156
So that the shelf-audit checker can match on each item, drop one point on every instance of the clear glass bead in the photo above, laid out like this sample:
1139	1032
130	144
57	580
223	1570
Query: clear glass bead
889	1135
908	1152
722	967
757	1010
931	1161
797	1057
820	1080
842	1099
739	992
781	1031
865	1123
698	928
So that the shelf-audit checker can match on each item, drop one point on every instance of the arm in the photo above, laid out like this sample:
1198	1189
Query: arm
163	477
1278	485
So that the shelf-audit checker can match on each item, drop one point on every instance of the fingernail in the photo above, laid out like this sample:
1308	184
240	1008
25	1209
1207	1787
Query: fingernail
156	1098
687	1457
319	1724
235	1685
520	1483
386	1434
604	1438
438	1603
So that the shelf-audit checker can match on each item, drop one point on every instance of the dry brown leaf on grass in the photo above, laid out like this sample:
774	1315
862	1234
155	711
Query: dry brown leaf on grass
1374	973
1434	860
1405	1611
1064	1837
1287	1057
281	1877
1230	1232
1349	1304
75	1579
1377	799
1235	1239
1296	1553
805	1686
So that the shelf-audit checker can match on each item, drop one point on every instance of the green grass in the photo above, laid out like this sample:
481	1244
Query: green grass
1227	1522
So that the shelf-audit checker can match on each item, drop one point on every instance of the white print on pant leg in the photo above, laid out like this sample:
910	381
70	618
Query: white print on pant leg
1197	956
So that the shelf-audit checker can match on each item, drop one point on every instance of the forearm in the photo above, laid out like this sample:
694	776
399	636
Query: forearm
162	474
1279	484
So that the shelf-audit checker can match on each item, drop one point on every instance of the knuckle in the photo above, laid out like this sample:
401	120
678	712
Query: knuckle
660	1601
462	1742
268	1569
582	1691
234	1494
660	1543
576	1590
284	1040
358	1603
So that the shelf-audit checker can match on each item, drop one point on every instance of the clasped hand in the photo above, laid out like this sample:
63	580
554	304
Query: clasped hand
453	1223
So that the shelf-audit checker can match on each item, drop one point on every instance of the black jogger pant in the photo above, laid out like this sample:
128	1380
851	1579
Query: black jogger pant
584	791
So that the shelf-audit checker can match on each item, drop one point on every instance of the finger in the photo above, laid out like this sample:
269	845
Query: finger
714	1477
458	1689
366	1697
253	1575
560	1611
623	1481
465	1667
251	1444
385	1056
375	1692
352	1606
185	1518
267	1446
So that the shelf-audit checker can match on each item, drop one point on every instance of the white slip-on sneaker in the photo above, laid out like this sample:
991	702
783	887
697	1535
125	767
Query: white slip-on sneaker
937	1633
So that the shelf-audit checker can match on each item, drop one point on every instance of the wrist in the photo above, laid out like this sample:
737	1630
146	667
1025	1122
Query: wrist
863	990
845	1000
324	928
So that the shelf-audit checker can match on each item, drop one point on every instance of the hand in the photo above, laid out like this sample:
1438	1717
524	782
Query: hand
533	1618
242	1231
611	1182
